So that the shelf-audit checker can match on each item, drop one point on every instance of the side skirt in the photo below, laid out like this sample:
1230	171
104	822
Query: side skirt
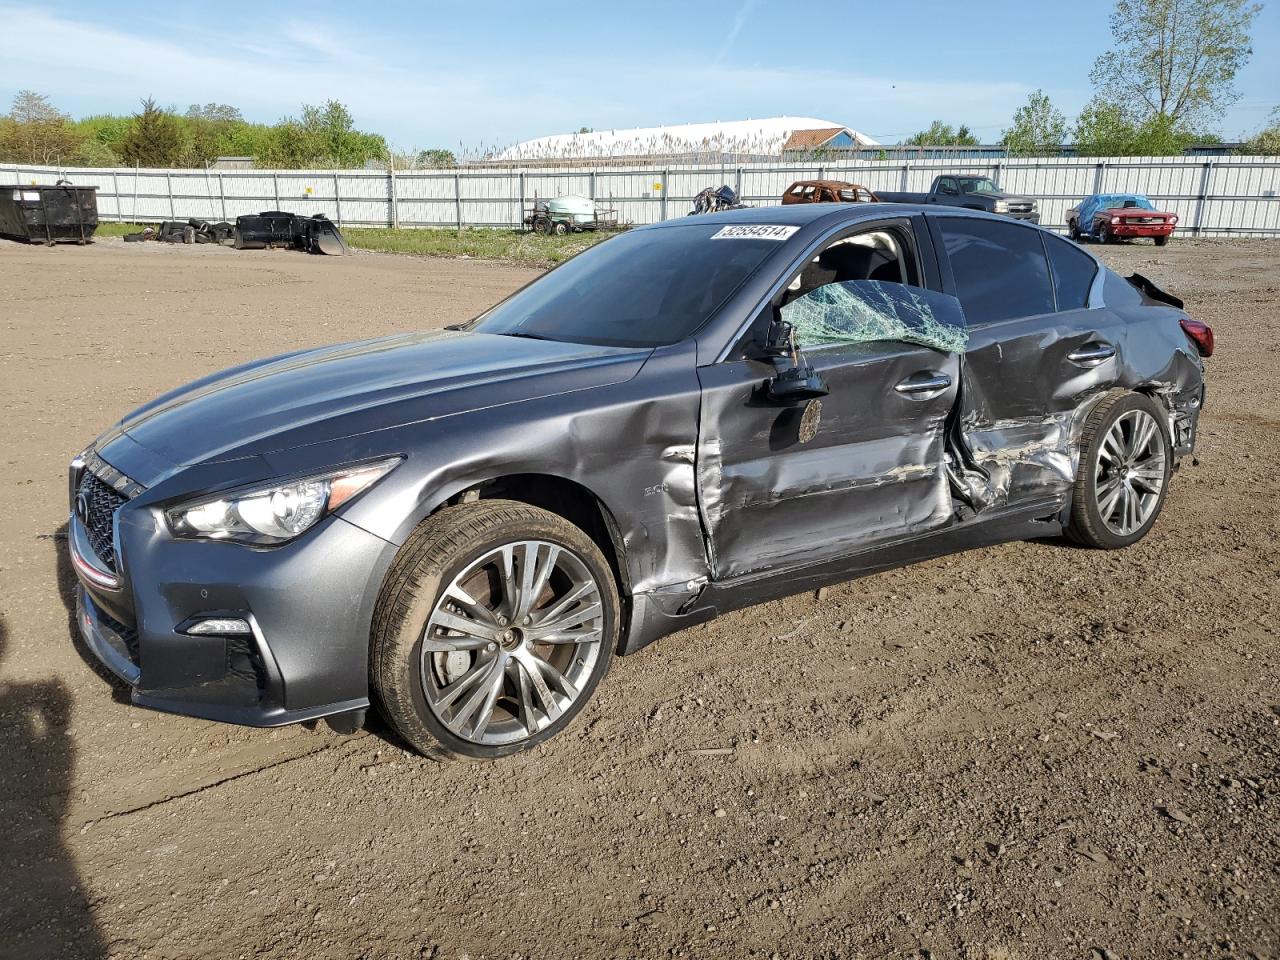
656	615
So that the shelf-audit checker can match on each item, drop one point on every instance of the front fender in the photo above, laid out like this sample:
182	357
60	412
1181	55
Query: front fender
630	445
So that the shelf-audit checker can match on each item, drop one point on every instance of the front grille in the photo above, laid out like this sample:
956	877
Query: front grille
1021	207
98	516
1144	219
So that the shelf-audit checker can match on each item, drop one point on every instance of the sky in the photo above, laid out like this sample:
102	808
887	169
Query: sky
478	75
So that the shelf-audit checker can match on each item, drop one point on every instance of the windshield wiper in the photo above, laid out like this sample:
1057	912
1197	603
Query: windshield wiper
527	336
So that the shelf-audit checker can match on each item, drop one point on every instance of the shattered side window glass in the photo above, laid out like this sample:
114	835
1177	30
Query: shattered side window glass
863	311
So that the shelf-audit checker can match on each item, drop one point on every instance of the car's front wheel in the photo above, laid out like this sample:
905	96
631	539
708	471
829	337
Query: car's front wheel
494	626
1124	471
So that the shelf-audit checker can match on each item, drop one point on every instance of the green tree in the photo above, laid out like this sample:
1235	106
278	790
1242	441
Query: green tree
105	129
1103	130
214	112
154	139
1175	58
1038	127
36	131
436	157
207	132
1266	142
93	153
942	134
1106	129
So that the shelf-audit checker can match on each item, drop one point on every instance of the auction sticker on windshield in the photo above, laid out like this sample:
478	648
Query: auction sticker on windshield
754	231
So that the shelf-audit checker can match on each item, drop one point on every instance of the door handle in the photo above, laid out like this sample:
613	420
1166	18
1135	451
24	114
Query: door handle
923	385
1092	354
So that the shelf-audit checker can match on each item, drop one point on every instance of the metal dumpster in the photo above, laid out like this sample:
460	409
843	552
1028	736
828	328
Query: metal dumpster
63	213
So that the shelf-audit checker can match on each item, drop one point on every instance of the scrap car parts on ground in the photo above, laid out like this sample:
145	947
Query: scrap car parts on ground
192	231
716	199
63	213
258	231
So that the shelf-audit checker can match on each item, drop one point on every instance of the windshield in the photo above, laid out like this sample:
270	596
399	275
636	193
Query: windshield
1120	200
645	288
977	185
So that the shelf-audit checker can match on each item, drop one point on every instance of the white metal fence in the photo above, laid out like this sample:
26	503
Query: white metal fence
1213	196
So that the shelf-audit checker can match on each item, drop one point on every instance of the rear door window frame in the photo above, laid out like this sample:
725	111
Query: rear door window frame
935	220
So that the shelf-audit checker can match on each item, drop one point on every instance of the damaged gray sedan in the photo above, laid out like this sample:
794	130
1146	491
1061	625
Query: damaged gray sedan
463	527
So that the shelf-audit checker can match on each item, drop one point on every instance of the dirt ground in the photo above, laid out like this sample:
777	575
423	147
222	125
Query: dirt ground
1022	752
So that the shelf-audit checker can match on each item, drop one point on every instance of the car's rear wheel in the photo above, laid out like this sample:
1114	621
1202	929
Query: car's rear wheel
1073	230
493	628
1124	471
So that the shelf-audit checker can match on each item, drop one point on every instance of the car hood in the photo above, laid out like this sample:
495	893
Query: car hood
1001	195
1133	212
335	392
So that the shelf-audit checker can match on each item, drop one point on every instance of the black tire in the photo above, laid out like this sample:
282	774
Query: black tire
1160	241
440	549
1073	231
1107	236
1087	525
542	225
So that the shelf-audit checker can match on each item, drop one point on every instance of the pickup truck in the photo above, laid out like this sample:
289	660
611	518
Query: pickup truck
971	191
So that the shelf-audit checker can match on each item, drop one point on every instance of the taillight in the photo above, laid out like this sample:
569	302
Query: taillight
1201	335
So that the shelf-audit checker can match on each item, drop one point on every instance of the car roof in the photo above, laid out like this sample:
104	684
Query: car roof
800	214
825	183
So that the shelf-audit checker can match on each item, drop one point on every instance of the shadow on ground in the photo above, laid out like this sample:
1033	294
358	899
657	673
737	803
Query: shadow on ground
44	910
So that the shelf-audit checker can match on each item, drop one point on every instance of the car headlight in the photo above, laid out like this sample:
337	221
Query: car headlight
275	512
1002	206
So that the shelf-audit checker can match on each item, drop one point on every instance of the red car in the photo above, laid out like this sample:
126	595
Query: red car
1109	217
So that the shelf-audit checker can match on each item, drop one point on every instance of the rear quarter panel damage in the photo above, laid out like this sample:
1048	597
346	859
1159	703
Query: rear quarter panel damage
1024	402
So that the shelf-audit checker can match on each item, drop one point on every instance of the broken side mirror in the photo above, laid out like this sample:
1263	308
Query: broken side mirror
794	382
794	378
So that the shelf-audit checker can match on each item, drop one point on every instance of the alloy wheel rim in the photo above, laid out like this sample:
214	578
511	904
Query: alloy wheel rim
1129	474
512	642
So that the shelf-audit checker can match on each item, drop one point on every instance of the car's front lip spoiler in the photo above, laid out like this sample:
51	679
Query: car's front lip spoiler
95	634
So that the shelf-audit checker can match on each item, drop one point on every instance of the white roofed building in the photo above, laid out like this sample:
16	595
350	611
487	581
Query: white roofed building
769	138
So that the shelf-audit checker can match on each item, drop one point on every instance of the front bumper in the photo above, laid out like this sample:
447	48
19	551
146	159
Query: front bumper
1030	217
1141	230
309	604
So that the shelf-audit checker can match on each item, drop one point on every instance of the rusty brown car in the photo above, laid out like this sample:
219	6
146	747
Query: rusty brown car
828	191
